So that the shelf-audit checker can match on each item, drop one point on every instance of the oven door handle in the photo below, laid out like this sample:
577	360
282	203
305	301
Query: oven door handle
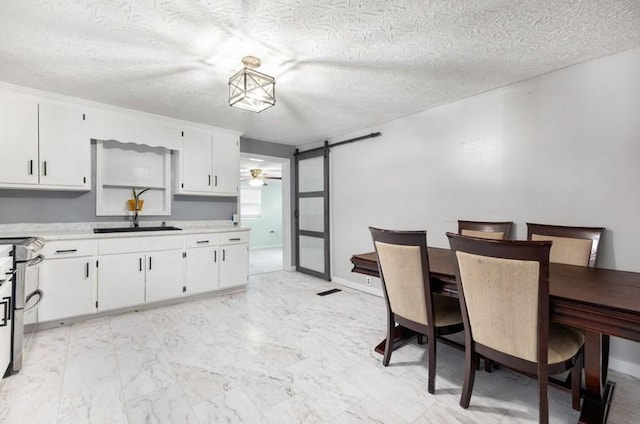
38	293
35	261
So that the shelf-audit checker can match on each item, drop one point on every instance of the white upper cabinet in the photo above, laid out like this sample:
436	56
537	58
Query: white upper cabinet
43	143
18	138
197	157
64	147
208	163
226	163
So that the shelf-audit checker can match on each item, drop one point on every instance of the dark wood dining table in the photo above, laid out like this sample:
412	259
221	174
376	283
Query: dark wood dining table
599	301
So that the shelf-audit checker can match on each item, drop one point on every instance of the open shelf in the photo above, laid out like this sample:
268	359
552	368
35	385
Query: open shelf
120	167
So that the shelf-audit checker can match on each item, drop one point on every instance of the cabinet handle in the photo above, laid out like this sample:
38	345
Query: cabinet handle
66	251
140	262
215	256
6	314
44	166
86	275
31	167
202	241
216	181
209	179
223	255
234	239
150	263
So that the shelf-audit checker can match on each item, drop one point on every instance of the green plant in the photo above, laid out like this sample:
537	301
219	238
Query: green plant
136	195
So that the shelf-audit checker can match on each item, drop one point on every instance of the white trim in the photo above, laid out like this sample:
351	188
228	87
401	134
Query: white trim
270	246
624	366
357	286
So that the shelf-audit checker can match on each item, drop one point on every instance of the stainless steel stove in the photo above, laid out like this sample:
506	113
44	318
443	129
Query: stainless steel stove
26	294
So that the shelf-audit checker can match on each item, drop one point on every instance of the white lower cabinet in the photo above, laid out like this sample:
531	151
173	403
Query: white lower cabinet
152	271
234	261
202	270
5	326
68	280
81	277
164	275
69	287
121	281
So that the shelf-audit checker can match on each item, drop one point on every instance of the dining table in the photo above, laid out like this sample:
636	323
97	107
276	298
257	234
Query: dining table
601	302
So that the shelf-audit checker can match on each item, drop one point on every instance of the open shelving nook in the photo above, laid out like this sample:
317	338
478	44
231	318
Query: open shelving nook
122	166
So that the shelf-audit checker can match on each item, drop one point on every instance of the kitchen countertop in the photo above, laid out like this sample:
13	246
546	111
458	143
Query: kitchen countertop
84	230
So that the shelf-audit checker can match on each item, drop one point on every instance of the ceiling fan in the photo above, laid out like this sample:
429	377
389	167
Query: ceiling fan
257	177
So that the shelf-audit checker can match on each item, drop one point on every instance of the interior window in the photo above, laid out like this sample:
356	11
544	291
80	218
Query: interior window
250	203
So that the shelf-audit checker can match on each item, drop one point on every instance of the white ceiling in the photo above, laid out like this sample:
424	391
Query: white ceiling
339	65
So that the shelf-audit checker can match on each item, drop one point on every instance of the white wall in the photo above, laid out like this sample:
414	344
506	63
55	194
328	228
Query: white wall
266	231
563	148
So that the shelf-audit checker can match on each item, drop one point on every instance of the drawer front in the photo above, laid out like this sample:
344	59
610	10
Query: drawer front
139	244
203	240
234	238
69	249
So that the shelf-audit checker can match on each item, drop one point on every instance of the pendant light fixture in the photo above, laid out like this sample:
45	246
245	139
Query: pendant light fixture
250	89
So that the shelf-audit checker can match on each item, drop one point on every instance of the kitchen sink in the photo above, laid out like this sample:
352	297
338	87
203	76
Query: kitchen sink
134	229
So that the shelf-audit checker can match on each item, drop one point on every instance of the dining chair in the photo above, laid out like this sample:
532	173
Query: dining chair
571	245
484	229
503	287
403	264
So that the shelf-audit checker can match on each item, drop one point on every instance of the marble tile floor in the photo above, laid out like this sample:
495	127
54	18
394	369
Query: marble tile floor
274	354
265	260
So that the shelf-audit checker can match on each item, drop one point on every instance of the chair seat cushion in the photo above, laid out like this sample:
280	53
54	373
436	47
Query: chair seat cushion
564	342
446	310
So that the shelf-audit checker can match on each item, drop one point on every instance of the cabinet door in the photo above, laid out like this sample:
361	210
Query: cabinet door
196	161
65	152
202	270
234	265
5	326
69	288
165	275
18	138
226	163
121	281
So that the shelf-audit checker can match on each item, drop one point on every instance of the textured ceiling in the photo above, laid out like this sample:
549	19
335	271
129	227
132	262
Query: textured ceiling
339	65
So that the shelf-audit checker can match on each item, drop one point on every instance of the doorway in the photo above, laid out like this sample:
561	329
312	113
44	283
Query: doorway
265	207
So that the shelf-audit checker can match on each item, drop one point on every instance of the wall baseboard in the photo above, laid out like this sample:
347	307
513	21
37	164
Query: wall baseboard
357	286
271	246
615	363
624	366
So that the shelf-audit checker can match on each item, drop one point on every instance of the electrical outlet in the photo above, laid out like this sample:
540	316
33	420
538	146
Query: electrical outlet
368	281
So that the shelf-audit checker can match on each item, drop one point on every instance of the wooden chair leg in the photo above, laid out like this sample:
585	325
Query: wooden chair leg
543	397
605	356
431	388
391	334
488	364
576	382
471	363
420	339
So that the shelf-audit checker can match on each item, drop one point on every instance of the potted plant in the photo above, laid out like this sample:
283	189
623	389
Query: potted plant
136	203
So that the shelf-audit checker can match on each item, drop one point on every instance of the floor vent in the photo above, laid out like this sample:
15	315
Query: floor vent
324	293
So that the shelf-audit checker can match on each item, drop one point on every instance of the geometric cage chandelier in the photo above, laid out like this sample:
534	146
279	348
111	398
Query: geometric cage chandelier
250	89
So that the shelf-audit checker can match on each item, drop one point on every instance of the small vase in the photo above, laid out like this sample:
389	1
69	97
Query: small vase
135	205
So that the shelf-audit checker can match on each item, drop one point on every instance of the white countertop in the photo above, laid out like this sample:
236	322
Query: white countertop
84	230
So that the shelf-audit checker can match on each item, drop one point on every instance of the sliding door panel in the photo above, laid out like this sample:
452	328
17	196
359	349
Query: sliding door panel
312	213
